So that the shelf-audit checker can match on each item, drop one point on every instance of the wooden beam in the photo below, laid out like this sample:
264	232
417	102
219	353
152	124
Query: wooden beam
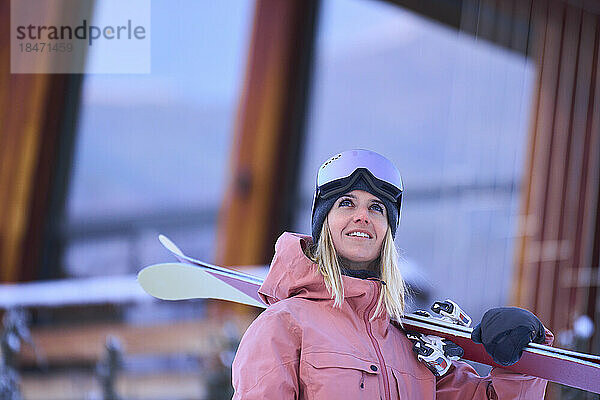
33	122
259	199
576	189
529	220
448	12
83	385
555	250
567	22
86	344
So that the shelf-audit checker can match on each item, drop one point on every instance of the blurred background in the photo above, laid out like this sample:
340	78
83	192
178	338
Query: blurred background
489	108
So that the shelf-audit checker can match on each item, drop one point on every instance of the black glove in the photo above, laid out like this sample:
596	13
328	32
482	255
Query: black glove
506	331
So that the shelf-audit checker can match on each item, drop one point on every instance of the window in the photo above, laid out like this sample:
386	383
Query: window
152	150
451	112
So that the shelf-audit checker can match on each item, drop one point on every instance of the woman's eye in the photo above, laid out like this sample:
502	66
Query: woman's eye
377	208
345	203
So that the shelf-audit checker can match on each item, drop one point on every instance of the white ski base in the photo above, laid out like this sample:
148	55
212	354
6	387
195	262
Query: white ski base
178	281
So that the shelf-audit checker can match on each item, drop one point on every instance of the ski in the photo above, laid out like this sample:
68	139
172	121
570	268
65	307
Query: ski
416	320
191	279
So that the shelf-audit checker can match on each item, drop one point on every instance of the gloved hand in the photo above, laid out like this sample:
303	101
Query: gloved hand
506	331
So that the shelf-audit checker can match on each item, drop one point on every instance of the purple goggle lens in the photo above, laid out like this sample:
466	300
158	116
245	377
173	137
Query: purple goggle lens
339	173
386	176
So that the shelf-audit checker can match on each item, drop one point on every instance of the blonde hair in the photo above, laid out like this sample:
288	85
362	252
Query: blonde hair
393	290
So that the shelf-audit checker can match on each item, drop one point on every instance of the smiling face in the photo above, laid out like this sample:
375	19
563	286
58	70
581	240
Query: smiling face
358	224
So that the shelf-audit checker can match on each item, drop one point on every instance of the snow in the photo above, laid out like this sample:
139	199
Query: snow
82	291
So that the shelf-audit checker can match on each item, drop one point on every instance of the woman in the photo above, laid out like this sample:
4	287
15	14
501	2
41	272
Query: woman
326	333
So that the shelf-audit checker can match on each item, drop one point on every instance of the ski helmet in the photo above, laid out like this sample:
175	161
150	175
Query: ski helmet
357	169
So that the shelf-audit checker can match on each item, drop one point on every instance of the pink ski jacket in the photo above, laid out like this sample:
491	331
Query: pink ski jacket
301	347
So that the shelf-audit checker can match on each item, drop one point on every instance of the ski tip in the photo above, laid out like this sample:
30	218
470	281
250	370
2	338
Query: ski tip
169	245
169	281
144	279
178	281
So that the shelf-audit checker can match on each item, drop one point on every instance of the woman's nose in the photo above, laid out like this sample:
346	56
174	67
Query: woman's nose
361	214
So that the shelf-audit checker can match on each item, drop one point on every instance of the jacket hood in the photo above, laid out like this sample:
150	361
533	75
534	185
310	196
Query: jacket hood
293	274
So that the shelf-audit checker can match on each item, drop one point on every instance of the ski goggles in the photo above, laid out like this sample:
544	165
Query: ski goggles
341	171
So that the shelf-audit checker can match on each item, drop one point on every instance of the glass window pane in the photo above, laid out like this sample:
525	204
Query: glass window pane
451	112
152	150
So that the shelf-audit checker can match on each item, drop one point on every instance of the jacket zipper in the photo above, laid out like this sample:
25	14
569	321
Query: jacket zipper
386	382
